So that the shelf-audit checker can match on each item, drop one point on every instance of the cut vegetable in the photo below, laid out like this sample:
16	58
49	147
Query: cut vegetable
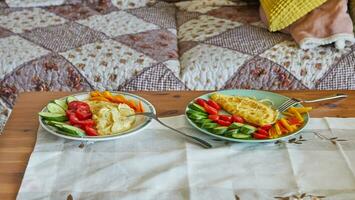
209	125
236	125
196	107
70	99
241	136
219	130
61	103
247	129
196	116
55	108
53	116
71	130
190	111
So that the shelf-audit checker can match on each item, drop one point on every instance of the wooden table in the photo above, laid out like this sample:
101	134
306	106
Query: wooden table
17	142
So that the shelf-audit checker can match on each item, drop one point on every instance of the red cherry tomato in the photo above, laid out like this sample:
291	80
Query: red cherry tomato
75	104
223	123
262	132
210	110
259	136
83	113
213	104
213	117
73	119
266	127
237	119
201	102
226	118
90	131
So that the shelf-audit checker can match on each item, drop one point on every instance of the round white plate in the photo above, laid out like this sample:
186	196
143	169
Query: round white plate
140	123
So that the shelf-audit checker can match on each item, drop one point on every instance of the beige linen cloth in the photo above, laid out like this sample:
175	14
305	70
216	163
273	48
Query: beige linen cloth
157	164
327	24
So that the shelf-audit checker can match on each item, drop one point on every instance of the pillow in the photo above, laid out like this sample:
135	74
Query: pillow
282	13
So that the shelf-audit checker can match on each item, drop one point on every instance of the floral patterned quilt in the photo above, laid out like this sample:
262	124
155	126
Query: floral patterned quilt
75	45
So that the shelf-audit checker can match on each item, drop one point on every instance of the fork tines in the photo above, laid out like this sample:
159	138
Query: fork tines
287	104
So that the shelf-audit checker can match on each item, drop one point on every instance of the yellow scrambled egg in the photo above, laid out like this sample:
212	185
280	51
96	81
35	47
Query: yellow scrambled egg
111	118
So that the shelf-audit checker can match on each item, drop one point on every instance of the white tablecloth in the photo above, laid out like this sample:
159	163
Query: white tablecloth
157	164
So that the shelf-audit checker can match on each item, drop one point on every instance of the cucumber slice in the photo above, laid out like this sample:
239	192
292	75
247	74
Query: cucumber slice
62	103
71	130
219	130
66	128
70	99
196	116
229	133
241	136
197	107
55	108
190	111
235	125
54	123
53	116
247	129
209	125
201	121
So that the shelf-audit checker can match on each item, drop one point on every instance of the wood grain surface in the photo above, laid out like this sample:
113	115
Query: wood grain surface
18	139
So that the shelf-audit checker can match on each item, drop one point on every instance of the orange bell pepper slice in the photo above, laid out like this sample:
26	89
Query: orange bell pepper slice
99	99
95	94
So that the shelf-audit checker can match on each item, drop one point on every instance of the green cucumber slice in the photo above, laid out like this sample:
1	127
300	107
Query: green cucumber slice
55	108
70	99
209	125
196	116
197	107
192	112
235	125
219	130
53	123
229	133
53	116
72	130
61	103
241	136
247	129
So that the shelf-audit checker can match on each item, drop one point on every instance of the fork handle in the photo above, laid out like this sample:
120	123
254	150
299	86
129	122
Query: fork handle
191	138
337	96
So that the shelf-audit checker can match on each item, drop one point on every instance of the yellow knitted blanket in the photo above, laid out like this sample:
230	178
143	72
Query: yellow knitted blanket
282	13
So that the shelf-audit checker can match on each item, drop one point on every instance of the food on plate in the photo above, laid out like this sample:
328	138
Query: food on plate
251	110
101	114
247	118
110	117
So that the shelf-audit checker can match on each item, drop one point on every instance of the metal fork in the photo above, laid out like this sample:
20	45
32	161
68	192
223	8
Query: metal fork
194	139
287	104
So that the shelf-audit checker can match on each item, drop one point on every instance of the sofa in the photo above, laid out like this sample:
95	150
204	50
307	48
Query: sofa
81	45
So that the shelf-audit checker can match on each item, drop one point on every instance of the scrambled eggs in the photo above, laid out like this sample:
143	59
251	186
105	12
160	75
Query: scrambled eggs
111	118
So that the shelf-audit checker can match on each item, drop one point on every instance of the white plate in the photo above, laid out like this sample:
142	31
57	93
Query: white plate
140	123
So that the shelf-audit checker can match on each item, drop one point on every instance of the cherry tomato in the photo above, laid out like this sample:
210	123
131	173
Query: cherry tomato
213	104
266	127
69	112
74	105
90	131
210	110
73	119
262	132
259	136
201	102
226	118
223	123
213	117
83	113
237	119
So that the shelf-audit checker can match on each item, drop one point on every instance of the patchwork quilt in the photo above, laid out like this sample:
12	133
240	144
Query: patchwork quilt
75	45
